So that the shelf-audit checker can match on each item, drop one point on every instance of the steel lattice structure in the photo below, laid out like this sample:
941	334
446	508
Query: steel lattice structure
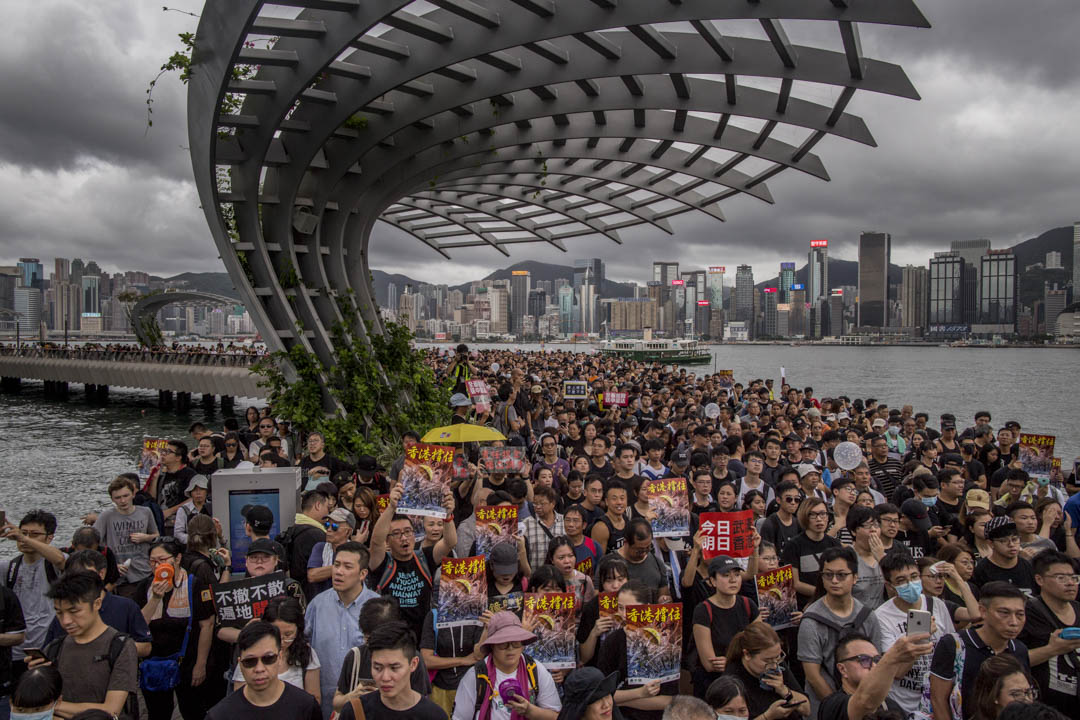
495	122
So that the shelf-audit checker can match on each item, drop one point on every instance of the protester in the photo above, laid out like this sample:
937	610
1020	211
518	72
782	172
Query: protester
1004	562
867	677
755	658
127	529
1055	662
12	632
37	694
1001	681
804	551
197	492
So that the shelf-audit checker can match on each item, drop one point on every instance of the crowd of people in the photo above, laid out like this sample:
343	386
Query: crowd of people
935	579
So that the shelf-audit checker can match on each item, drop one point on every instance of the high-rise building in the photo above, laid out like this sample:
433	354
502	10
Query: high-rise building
835	325
391	295
913	296
499	298
32	272
588	279
665	272
566	310
1053	305
1076	261
78	267
797	325
770	300
971	252
1053	260
945	312
661	295
716	302
787	279
61	270
91	294
520	285
997	293
817	271
875	253
28	309
408	310
537	303
744	293
10	278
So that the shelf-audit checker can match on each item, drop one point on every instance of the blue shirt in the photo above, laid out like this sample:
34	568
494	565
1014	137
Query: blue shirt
1073	508
119	613
333	630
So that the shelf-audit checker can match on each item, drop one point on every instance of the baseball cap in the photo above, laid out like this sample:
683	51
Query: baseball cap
879	422
977	498
259	517
1000	527
843	416
680	457
952	459
915	511
805	469
722	564
504	559
536	389
460	400
265	546
341	515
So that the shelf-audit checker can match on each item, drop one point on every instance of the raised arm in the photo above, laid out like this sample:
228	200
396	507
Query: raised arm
382	528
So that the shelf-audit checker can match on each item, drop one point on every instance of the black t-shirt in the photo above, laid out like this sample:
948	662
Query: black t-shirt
725	622
411	585
327	461
1059	677
168	631
418	680
612	658
447	643
804	554
171	487
607	471
206	469
975	652
918	542
758	699
835	707
375	710
775	532
11	621
294	703
1022	575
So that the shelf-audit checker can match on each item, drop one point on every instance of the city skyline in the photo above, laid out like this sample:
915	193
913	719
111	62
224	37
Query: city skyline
993	80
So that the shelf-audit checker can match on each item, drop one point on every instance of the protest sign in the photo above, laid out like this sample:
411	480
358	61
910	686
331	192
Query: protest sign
726	378
462	592
653	643
480	394
495	525
575	390
503	459
150	457
670	504
511	601
556	629
383	501
730	534
776	591
616	399
239	601
1037	455
427	473
609	606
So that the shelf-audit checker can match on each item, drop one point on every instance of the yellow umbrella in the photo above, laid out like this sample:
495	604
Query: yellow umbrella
462	432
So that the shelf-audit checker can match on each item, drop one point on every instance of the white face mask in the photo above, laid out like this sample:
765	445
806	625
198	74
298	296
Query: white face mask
40	715
721	716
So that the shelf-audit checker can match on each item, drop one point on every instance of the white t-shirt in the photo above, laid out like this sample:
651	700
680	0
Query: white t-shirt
546	695
907	690
293	676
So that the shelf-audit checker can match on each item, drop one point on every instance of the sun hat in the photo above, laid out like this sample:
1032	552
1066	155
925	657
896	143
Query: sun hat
197	481
505	626
583	687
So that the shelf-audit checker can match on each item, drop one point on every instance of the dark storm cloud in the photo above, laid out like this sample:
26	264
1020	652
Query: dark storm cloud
988	152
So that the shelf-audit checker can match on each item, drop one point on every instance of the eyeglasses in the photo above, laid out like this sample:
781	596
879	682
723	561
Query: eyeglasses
512	645
1031	694
1011	540
871	525
866	661
261	427
836	575
400	534
818	515
169	451
776	661
790	499
268	660
1060	577
34	534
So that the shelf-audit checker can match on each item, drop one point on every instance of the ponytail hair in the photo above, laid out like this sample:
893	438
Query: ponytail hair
754	638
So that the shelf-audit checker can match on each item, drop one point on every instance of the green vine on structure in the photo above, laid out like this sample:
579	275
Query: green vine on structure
384	389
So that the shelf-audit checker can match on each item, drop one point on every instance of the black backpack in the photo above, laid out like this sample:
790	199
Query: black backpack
13	571
116	646
836	630
296	566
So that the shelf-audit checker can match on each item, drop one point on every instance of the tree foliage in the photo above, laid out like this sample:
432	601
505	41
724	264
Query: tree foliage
383	389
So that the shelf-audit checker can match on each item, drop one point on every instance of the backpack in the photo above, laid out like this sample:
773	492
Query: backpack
836	630
693	659
13	571
297	568
480	669
116	646
392	568
144	499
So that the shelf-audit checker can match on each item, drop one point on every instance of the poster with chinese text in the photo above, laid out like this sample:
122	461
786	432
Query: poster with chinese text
495	525
555	618
480	395
1037	455
653	643
504	459
462	592
575	390
776	591
150	456
427	473
511	601
730	534
616	399
239	601
670	504
725	378
609	606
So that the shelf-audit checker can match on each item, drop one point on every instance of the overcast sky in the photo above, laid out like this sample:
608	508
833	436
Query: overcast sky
990	151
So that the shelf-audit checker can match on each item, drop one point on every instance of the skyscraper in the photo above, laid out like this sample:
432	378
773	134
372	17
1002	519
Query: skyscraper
28	308
971	252
836	324
665	272
913	296
744	293
391	295
997	292
787	279
61	270
566	309
520	285
1053	305
817	271
770	301
946	291
91	294
874	255
716	302
537	303
33	273
1076	261
588	280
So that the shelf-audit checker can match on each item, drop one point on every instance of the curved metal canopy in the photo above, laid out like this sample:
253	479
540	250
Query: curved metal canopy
149	305
495	122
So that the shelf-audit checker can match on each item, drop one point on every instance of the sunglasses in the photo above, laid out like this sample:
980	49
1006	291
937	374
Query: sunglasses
332	526
866	661
268	660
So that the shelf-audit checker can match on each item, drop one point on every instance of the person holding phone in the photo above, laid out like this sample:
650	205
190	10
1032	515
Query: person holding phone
902	575
755	657
867	676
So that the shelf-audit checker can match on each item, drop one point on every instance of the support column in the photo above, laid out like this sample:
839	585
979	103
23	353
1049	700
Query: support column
165	399
62	390
208	403
102	394
227	405
90	390
183	401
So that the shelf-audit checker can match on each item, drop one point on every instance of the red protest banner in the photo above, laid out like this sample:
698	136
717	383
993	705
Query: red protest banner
730	534
616	399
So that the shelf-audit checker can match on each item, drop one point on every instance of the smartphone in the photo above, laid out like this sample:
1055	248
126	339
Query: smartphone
36	653
918	622
1071	633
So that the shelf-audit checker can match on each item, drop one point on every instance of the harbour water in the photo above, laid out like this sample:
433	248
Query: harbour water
61	455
